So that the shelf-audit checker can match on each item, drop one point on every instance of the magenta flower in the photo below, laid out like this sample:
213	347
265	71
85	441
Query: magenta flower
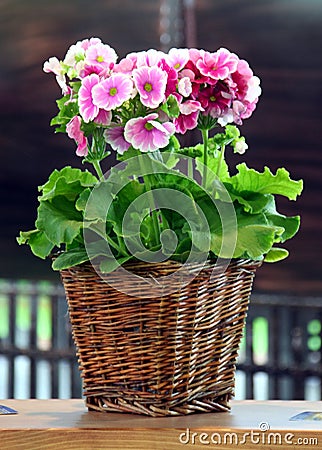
115	137
112	92
191	70
73	129
172	77
215	99
151	83
88	110
218	65
188	118
146	134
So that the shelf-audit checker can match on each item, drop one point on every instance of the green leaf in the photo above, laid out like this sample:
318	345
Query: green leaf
70	258
59	220
40	245
67	110
276	254
94	203
130	153
173	146
255	236
216	169
265	182
107	265
252	202
171	107
68	181
289	224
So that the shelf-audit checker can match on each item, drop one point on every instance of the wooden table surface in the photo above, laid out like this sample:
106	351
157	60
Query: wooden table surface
66	424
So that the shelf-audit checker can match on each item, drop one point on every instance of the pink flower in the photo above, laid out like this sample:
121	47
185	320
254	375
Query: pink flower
115	137
86	43
75	54
73	129
148	58
146	134
126	65
178	58
53	65
151	83
191	70
188	118
87	108
103	117
99	57
239	111
195	54
185	86
112	92
253	90
218	65
241	78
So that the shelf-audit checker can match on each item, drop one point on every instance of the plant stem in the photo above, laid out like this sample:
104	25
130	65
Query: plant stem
190	168
98	169
221	158
154	214
204	133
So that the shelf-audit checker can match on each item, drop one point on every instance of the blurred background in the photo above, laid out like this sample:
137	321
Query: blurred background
282	41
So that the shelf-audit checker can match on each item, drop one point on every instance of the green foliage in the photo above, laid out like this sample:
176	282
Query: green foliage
167	212
67	110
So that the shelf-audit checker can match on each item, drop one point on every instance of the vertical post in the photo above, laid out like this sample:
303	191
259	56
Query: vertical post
12	343
55	338
33	342
249	359
298	351
274	347
190	28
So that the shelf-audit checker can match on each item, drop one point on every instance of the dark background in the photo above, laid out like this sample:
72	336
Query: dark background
281	39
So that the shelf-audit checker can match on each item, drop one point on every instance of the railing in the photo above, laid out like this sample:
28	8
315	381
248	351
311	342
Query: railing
37	355
280	355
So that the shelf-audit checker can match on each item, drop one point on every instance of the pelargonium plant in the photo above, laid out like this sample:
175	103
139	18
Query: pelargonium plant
134	111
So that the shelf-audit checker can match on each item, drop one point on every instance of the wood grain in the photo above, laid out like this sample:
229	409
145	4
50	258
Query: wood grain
65	424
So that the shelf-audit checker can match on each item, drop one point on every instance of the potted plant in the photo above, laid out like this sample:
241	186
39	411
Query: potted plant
158	254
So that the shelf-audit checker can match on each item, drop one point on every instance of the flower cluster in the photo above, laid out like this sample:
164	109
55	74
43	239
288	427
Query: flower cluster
148	96
151	207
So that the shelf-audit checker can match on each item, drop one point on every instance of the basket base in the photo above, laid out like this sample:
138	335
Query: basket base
204	405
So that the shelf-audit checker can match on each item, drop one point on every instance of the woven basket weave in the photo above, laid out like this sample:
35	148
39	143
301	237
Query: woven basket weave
169	355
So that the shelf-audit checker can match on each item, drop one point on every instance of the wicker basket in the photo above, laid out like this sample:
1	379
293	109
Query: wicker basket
169	355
